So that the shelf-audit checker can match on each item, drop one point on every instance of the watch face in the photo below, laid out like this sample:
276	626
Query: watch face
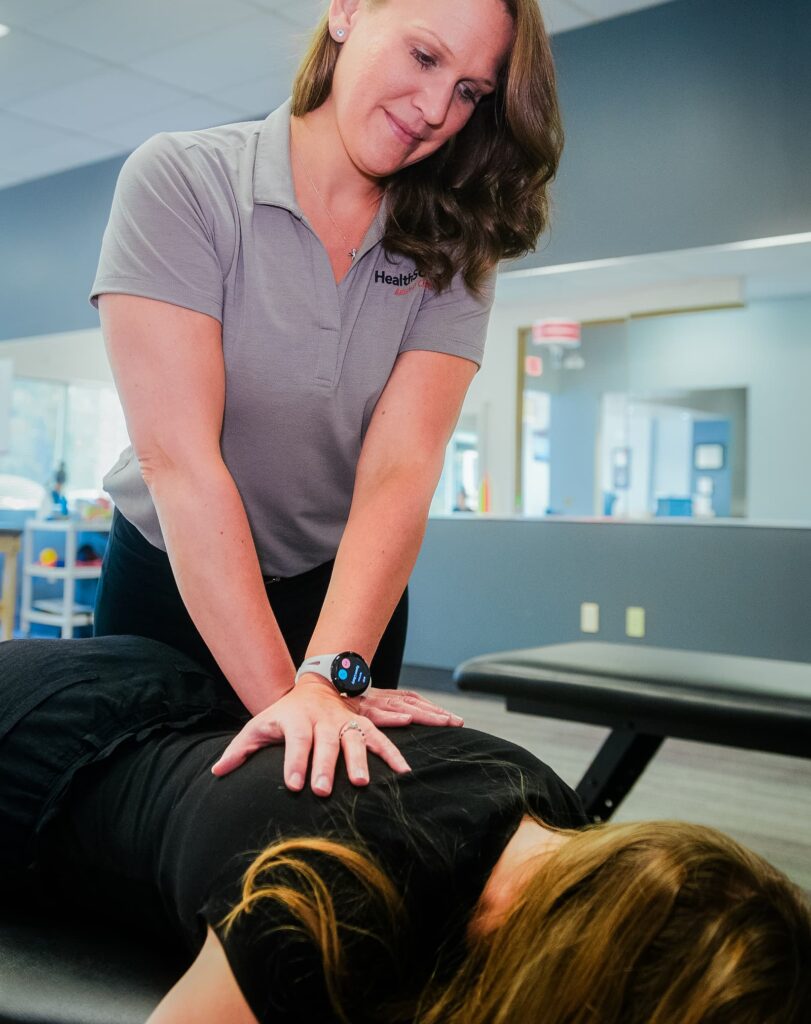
350	674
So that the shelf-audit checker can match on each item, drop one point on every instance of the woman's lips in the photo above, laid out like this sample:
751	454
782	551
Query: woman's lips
400	129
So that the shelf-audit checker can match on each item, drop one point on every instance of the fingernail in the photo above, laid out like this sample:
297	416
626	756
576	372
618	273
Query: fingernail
361	776
296	780
322	782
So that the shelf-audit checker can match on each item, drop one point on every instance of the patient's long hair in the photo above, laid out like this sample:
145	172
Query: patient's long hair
643	923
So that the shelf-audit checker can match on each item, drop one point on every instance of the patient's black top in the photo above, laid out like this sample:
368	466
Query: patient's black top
145	830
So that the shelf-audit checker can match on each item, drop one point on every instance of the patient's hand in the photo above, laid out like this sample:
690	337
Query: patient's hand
312	717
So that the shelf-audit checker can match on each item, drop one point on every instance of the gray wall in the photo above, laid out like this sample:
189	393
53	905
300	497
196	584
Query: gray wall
483	585
686	125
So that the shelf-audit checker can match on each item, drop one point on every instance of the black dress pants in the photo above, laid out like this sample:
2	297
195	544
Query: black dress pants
137	595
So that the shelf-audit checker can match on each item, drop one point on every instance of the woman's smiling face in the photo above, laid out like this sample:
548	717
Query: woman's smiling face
410	73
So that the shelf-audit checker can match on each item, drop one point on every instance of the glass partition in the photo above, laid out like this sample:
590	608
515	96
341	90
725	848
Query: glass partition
604	430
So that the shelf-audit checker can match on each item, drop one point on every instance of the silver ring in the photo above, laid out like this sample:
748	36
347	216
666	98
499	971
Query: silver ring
351	724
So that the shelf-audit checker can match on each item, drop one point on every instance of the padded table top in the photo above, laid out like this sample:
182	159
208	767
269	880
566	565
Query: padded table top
759	703
64	971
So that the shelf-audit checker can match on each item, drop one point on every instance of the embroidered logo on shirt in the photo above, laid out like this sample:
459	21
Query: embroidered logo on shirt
404	283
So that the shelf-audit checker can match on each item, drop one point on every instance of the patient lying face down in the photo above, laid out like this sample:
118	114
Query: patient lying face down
469	890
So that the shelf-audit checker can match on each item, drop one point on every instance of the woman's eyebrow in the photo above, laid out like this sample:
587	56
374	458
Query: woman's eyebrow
444	46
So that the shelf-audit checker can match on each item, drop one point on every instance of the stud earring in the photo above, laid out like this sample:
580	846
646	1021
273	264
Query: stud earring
340	33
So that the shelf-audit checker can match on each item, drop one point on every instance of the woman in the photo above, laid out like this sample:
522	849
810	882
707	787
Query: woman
293	311
468	891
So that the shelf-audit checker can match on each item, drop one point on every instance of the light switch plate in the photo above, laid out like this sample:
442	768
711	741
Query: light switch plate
635	622
589	617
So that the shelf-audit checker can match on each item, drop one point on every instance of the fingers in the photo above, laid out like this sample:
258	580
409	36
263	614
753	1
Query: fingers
318	727
326	748
256	734
354	743
381	745
298	741
421	710
385	719
420	705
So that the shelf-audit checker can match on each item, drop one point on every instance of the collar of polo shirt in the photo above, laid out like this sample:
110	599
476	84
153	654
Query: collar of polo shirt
273	173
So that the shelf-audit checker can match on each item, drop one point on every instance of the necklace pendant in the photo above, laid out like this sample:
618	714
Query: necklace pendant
353	254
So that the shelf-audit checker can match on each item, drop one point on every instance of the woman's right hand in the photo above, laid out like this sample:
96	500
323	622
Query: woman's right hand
312	718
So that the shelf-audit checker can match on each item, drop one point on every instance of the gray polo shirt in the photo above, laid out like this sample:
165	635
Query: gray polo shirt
208	220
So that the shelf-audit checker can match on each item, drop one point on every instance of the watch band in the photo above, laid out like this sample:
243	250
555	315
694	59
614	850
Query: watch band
320	664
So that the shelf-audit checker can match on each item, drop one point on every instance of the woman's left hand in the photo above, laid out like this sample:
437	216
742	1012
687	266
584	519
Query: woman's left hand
386	708
313	718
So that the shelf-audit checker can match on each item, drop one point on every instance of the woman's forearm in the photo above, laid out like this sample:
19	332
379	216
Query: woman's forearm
377	552
216	568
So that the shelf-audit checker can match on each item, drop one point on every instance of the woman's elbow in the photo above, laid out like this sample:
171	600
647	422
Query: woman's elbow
163	470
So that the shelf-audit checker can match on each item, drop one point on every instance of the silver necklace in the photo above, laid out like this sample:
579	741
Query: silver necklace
353	252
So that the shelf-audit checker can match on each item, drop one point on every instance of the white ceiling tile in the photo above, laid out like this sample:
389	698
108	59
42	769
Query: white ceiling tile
560	16
259	96
62	152
28	14
193	114
304	13
91	103
225	57
18	133
29	65
119	32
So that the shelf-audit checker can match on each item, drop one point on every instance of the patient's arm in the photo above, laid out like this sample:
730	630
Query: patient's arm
206	994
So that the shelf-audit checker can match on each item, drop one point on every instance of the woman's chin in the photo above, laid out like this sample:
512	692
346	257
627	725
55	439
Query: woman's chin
383	164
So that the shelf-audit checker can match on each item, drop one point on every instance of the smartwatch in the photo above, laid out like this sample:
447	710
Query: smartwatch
347	671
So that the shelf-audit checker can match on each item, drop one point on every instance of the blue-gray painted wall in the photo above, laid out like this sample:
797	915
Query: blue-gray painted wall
687	125
483	585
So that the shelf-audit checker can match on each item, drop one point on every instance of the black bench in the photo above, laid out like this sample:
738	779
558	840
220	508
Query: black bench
59	970
646	694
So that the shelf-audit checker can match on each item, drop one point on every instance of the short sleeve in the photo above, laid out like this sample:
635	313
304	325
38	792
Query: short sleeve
277	965
453	321
158	242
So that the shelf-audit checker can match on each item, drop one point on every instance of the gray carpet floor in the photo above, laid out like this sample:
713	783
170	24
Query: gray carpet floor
762	800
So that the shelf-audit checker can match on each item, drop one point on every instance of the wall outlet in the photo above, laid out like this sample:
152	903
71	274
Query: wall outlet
635	622
589	617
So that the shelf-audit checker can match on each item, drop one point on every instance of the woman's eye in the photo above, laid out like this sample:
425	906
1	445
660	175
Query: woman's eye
426	61
423	59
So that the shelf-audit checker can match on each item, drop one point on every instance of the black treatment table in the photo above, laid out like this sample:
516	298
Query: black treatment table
66	971
645	695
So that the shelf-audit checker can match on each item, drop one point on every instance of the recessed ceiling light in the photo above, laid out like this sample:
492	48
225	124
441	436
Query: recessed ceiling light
4	30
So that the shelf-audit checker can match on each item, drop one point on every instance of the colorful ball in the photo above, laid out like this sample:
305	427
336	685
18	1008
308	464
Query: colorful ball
49	557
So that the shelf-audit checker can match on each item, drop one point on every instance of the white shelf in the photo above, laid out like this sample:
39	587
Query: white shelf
51	613
52	619
67	524
62	612
90	572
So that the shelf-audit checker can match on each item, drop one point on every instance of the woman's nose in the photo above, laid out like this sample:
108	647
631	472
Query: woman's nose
433	102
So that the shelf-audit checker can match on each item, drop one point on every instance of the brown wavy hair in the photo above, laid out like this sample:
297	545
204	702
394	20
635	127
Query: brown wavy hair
643	923
483	195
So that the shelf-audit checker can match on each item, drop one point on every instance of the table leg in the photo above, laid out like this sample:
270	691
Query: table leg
611	775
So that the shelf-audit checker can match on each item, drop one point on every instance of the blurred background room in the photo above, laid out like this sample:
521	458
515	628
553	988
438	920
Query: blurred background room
638	435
